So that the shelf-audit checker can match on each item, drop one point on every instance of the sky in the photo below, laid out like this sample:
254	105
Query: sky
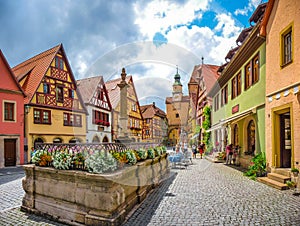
150	38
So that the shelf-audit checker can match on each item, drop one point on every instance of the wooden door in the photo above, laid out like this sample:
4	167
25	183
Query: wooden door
10	152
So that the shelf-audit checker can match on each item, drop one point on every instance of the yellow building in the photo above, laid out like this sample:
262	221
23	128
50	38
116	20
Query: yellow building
54	111
177	114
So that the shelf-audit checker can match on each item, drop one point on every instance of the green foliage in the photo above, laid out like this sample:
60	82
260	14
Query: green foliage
151	153
62	160
142	153
294	170
36	156
257	167
206	123
100	162
131	157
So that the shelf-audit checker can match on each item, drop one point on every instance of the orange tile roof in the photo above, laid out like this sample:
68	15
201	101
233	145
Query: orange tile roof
33	70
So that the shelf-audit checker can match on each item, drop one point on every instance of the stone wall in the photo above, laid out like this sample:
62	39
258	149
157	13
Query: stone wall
82	198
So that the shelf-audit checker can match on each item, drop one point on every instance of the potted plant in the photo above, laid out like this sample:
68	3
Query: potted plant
295	172
291	184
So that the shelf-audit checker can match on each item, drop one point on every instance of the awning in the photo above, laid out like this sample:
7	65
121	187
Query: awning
239	116
216	126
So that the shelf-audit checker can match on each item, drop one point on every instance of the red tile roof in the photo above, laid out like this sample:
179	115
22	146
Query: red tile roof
88	86
33	70
210	75
12	76
150	110
114	91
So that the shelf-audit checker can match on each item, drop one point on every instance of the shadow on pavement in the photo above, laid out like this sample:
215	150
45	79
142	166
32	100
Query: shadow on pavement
9	174
142	214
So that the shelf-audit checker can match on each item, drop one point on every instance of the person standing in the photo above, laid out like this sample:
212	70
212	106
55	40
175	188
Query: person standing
194	149
201	150
229	153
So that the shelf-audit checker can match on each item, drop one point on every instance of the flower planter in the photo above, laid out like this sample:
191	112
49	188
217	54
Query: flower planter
81	198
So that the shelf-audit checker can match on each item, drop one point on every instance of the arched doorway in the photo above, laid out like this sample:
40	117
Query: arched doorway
105	140
96	139
251	137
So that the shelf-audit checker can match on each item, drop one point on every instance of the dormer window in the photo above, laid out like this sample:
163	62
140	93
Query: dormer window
46	88
59	63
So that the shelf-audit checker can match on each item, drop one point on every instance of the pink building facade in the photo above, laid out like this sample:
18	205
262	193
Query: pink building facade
11	117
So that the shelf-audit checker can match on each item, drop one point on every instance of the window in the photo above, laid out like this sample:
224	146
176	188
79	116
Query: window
255	73
233	88
287	46
41	116
72	120
71	93
252	72
236	85
60	94
216	102
133	107
9	111
239	84
46	88
248	76
100	118
177	115
59	63
224	95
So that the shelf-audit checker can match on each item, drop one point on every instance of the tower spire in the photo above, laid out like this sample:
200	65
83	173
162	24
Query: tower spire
177	77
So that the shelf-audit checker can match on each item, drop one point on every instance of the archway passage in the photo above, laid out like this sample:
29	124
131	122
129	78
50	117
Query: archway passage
105	140
96	139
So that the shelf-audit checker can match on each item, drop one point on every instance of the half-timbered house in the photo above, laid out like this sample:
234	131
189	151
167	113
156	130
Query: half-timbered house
95	97
54	110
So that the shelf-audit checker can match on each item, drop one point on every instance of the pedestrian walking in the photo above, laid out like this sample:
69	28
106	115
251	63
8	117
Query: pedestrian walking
201	150
194	150
229	153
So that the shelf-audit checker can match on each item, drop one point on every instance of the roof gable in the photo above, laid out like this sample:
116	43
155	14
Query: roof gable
33	70
8	80
90	88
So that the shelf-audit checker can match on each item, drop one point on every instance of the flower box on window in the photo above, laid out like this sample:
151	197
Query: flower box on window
99	122
106	124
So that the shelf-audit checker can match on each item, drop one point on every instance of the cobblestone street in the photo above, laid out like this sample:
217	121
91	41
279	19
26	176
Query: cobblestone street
203	194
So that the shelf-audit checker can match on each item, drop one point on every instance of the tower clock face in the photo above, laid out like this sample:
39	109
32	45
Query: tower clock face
176	96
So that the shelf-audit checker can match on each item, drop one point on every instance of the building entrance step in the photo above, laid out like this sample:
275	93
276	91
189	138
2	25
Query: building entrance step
272	183
279	177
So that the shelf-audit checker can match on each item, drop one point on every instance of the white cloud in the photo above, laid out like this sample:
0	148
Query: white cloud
161	15
252	4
